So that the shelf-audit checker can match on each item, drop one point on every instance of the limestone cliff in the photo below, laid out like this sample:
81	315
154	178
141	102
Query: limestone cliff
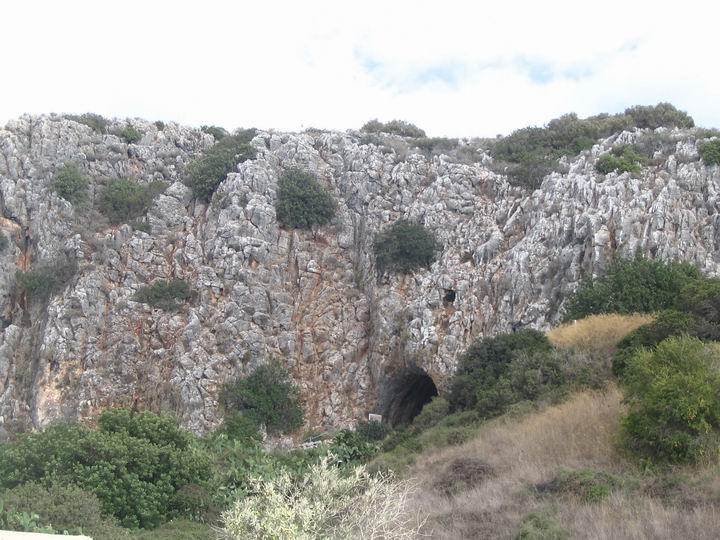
314	301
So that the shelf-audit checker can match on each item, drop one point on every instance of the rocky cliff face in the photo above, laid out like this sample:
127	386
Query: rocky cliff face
353	343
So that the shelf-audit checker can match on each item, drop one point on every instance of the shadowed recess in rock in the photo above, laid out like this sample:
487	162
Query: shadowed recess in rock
405	394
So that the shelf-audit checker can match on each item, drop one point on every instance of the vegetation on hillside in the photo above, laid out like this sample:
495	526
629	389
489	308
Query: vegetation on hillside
621	159
123	199
94	121
403	247
167	295
45	279
529	154
302	202
71	184
206	173
637	285
394	127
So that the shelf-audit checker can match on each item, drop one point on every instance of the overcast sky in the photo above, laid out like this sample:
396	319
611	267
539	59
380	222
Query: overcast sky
454	68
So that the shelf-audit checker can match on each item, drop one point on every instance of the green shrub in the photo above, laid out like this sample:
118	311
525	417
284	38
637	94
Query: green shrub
541	526
94	121
217	132
4	242
588	485
674	401
396	127
529	154
134	463
160	125
638	285
46	279
660	115
668	323
71	184
67	508
165	295
129	134
480	381
621	159
206	174
710	152
302	202
431	414
267	396
124	200
404	247
350	447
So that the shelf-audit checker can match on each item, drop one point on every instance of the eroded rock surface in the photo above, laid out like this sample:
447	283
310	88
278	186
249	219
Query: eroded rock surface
314	301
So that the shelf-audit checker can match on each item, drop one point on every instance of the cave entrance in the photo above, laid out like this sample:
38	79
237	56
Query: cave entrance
405	394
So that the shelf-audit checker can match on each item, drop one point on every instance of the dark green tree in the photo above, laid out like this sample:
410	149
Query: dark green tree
302	202
404	247
134	463
268	397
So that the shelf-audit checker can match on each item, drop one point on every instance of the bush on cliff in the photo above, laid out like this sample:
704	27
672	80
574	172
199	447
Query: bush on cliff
206	174
710	152
46	278
395	127
267	397
660	115
70	183
94	121
217	132
637	285
404	247
528	154
129	134
124	200
165	295
302	202
620	159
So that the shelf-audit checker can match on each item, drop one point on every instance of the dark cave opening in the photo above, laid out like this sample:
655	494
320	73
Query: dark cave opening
405	394
449	297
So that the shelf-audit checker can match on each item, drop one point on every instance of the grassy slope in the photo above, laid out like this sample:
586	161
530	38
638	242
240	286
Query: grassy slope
508	469
522	456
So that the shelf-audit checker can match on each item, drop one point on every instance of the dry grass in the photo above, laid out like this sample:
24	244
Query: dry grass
597	334
525	452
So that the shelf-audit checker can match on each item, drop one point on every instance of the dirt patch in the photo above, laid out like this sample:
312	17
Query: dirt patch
463	474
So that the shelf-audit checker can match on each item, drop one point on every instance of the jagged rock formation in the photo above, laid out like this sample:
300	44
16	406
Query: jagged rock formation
349	339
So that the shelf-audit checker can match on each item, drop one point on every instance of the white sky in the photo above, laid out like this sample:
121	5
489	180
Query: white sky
454	68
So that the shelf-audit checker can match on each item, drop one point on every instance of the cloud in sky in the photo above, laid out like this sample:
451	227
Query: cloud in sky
457	68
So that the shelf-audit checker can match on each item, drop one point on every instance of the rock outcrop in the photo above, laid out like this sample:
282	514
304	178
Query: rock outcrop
313	301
